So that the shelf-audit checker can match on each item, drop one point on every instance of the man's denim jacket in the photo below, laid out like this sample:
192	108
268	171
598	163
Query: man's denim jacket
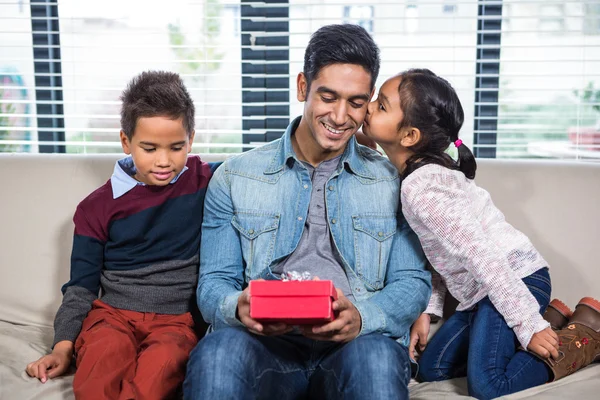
255	211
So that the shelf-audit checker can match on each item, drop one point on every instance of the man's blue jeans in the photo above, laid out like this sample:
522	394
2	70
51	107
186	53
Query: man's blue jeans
478	343
233	363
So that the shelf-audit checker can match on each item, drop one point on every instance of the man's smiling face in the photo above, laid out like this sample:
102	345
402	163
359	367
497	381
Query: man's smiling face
334	109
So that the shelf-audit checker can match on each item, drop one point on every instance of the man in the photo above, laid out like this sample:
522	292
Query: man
313	201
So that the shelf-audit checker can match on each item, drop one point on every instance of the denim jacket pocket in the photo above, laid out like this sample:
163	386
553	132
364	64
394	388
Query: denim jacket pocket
373	237
258	231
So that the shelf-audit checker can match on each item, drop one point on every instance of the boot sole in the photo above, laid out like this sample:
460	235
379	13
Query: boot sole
591	303
562	308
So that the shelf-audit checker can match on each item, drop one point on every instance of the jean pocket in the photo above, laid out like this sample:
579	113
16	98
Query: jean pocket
373	237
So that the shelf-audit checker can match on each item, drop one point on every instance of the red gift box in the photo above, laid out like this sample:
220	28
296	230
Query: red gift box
292	302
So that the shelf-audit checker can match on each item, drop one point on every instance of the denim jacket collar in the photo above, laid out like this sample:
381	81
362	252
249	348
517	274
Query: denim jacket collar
285	152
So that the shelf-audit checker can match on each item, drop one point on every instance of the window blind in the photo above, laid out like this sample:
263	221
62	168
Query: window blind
527	72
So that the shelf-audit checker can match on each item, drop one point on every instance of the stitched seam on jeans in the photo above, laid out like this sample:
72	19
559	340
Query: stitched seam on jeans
259	377
496	343
540	291
337	381
526	365
437	366
541	274
539	278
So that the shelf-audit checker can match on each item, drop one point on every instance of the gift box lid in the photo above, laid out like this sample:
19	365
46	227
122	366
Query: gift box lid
292	288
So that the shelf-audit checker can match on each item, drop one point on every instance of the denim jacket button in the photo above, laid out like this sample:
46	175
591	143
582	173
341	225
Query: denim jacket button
299	218
305	186
251	231
380	234
333	221
331	188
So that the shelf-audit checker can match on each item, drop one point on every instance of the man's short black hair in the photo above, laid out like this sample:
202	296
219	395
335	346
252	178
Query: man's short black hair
341	44
153	94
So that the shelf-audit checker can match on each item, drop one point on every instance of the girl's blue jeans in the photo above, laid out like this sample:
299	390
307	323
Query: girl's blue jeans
478	344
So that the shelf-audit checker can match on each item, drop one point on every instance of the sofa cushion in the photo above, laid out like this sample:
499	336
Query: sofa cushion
20	345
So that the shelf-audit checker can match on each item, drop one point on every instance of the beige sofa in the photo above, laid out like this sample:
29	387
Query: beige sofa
556	204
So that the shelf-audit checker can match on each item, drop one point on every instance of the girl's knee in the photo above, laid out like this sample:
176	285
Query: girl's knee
481	387
428	373
481	391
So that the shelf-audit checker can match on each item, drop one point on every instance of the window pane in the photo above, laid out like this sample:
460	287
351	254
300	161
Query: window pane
17	94
550	80
104	44
410	35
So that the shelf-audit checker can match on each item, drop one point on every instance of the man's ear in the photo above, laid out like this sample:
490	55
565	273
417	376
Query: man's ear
125	142
410	137
302	87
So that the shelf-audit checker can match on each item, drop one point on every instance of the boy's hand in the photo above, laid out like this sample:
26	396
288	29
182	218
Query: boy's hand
418	334
54	364
345	327
544	343
243	314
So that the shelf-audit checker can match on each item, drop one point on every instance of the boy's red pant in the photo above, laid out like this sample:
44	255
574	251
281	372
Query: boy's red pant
131	355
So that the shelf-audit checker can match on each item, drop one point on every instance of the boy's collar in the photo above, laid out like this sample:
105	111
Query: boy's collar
122	180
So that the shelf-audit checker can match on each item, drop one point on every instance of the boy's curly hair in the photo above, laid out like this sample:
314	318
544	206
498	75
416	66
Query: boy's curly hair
156	93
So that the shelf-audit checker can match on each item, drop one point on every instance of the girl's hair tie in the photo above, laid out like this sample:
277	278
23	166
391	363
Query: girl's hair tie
458	143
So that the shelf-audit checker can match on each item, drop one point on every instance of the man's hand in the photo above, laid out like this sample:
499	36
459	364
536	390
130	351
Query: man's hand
54	364
345	327
544	343
243	314
418	334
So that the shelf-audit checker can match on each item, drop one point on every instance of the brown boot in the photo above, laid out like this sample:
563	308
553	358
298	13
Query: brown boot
558	314
579	342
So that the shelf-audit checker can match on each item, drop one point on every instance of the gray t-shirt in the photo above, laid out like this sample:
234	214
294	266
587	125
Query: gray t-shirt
315	252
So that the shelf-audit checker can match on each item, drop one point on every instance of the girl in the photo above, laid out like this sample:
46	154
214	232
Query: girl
500	280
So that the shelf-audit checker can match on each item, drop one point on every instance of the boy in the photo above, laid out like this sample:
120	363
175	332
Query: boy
137	239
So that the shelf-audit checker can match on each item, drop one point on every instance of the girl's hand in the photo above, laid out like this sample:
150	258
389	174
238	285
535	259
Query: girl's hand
54	364
544	343
418	334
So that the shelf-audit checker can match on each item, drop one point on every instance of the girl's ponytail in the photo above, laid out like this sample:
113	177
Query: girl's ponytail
466	160
430	104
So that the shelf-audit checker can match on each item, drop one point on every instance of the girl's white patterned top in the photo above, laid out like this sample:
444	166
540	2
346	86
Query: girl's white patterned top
472	247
